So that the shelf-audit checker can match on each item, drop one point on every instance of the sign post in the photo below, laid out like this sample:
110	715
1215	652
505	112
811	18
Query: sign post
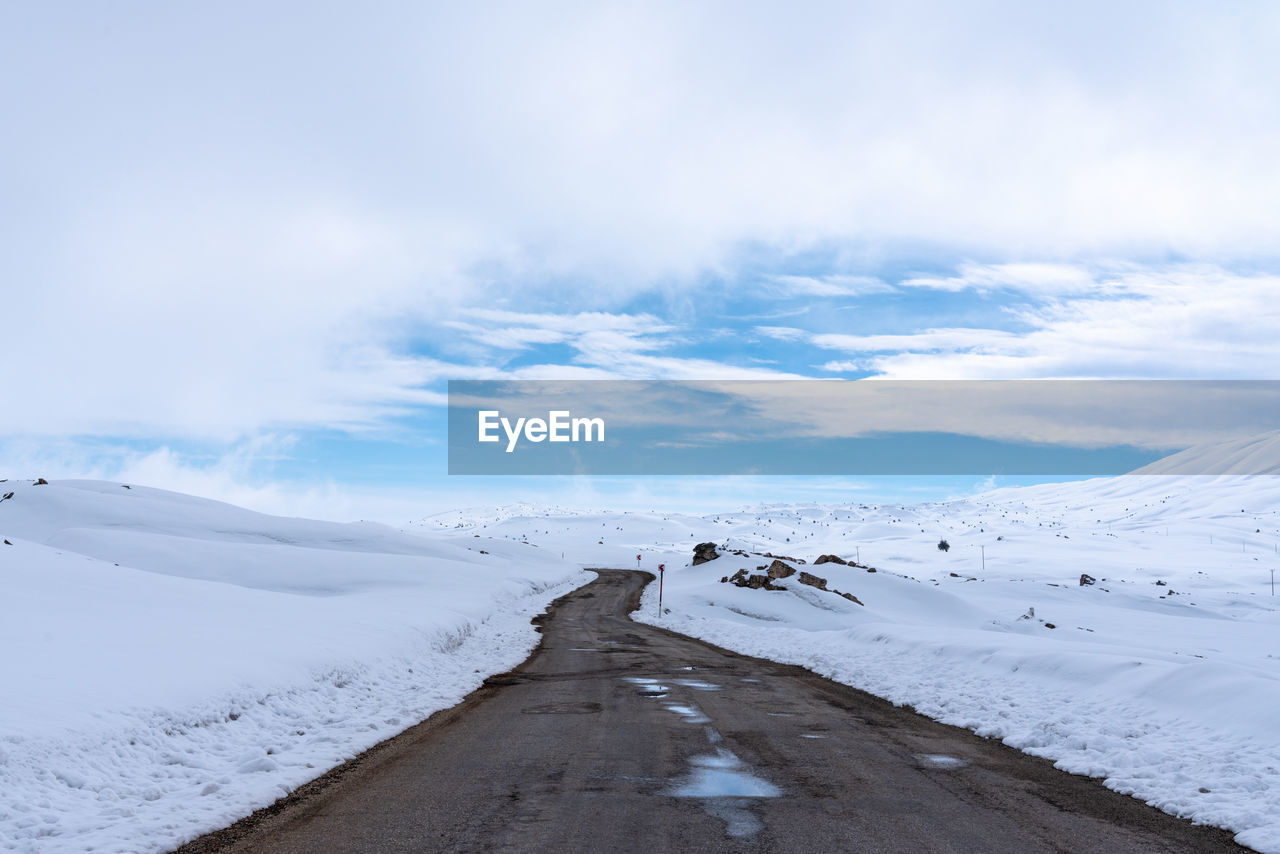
637	561
662	572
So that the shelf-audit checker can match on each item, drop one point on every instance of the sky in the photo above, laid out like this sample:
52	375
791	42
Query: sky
243	247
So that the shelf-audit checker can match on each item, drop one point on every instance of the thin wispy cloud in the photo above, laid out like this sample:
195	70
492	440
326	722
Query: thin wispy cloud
929	340
783	333
1201	323
830	286
1039	279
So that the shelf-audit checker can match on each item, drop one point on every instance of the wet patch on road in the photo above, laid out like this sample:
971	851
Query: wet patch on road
691	714
940	760
647	687
727	791
563	709
697	685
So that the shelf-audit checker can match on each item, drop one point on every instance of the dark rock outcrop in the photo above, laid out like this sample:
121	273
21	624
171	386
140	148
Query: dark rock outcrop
755	581
830	559
778	569
704	552
813	581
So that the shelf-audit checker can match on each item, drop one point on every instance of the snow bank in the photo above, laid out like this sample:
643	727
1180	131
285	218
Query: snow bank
173	663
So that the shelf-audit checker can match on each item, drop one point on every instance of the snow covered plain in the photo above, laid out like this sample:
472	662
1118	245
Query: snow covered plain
1163	677
170	664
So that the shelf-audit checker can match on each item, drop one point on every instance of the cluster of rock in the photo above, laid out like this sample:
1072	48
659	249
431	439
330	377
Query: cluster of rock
757	581
765	577
837	559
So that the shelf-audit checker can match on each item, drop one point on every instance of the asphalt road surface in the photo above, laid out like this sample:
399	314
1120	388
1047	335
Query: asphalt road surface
619	737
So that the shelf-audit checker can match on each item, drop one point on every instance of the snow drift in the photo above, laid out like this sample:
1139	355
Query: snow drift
171	663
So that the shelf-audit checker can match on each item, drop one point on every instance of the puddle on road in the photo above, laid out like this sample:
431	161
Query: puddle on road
727	791
655	688
647	687
723	776
940	760
691	714
751	680
723	784
811	735
698	685
780	714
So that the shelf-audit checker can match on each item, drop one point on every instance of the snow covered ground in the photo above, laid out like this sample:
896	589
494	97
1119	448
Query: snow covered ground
170	664
1163	677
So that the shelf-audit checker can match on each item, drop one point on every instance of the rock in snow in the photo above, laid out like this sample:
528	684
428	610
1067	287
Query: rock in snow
704	552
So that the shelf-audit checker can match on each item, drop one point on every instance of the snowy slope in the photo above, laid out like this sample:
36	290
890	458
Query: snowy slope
1252	455
1163	677
172	663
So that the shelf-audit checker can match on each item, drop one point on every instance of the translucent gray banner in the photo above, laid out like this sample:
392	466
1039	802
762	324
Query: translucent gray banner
865	427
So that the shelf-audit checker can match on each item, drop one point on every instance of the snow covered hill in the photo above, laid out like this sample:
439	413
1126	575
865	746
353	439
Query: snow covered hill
170	663
1252	455
1162	676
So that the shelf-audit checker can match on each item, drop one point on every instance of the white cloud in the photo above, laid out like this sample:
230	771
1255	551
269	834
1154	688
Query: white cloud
843	366
1183	323
830	286
1028	278
783	333
606	346
214	229
507	338
950	340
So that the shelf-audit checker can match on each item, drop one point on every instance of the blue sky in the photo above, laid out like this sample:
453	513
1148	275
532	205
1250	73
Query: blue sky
245	247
